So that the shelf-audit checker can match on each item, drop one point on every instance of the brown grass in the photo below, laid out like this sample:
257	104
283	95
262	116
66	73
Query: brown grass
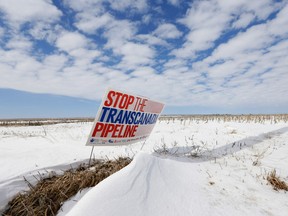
276	182
48	195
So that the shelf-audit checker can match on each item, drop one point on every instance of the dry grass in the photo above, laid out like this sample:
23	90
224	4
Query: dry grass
48	195
276	182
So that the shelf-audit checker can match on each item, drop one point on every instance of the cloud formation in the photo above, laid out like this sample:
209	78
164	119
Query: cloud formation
167	31
207	53
17	12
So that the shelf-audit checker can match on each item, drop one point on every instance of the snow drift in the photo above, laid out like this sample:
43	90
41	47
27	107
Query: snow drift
166	186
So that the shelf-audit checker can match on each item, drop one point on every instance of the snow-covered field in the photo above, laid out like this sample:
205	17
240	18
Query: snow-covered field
186	167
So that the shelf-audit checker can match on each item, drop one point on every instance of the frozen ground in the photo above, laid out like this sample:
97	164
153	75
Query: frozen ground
186	167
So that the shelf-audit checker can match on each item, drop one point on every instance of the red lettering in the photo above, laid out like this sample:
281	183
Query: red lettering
109	129
123	102
114	130
130	130
140	103
98	127
143	104
117	99
130	101
134	131
109	100
118	94
136	104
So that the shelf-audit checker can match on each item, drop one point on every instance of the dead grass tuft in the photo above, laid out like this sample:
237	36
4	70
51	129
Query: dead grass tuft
48	195
276	182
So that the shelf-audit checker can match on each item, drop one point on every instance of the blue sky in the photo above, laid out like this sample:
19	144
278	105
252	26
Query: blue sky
57	58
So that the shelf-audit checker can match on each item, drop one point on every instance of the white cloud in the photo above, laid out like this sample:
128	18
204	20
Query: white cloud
83	53
18	69
69	41
21	71
208	20
151	40
244	20
144	72
249	68
118	33
167	31
254	38
261	9
134	5
86	5
198	40
202	14
57	62
1	32
84	57
90	23
204	27
92	15
18	12
276	26
175	63
147	18
175	2
28	67
19	43
135	55
47	32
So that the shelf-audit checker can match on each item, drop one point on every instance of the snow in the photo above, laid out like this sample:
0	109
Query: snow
157	186
186	167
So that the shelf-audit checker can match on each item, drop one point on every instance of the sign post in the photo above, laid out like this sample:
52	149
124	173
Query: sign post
124	118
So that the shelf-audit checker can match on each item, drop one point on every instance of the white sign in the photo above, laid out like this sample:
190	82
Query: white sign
124	119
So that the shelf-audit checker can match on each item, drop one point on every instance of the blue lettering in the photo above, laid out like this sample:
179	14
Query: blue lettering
119	118
104	110
126	117
132	117
111	115
136	121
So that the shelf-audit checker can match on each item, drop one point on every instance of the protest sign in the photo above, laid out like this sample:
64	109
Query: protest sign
123	119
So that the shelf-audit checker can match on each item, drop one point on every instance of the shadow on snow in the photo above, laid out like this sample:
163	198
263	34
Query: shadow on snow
201	155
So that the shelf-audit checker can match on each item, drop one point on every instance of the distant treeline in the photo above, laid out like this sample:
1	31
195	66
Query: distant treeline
273	118
257	118
39	122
